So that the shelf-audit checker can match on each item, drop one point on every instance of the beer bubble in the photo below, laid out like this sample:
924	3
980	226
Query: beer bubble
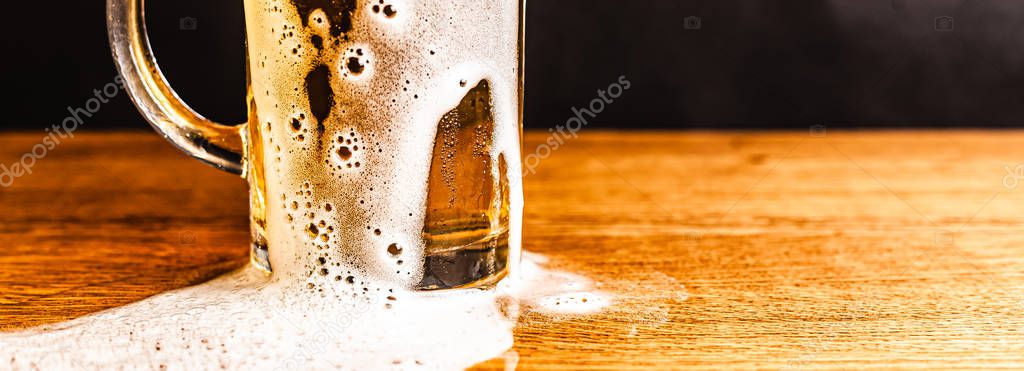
344	153
338	13
355	66
354	62
317	21
394	249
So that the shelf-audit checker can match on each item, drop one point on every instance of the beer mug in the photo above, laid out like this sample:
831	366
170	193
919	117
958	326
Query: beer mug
383	136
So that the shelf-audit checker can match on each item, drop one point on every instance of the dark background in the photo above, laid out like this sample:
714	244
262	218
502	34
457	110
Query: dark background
752	63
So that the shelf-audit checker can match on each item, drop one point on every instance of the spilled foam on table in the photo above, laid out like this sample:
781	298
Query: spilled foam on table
244	320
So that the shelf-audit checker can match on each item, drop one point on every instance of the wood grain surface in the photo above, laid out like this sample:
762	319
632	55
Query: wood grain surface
894	249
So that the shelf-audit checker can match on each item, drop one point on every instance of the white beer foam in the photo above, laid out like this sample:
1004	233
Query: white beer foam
245	321
417	66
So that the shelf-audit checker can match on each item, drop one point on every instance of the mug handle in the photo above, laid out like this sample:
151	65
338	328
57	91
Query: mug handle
219	145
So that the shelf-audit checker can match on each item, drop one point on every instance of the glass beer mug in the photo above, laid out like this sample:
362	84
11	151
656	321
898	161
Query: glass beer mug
383	136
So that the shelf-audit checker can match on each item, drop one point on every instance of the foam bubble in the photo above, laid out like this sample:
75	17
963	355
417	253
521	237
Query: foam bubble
573	302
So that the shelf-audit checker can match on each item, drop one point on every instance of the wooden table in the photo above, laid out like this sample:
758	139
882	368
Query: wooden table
723	250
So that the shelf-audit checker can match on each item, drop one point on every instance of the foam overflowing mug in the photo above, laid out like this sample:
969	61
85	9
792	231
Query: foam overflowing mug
383	138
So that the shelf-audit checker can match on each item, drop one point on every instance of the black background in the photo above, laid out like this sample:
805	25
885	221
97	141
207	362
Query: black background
752	64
